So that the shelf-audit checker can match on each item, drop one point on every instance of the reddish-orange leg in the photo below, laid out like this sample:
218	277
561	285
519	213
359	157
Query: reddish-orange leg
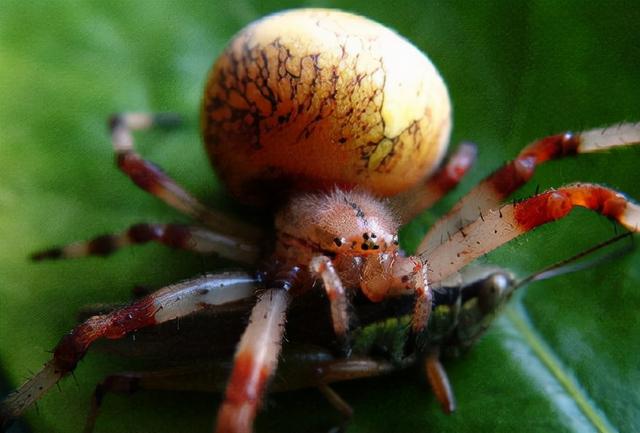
224	236
498	226
254	363
492	191
409	204
256	355
180	236
153	180
166	304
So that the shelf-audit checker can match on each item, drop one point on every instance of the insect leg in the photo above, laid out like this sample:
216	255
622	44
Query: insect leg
500	225
336	401
185	237
322	266
130	382
205	378
166	304
411	203
339	370
122	383
300	371
255	361
493	190
439	382
153	180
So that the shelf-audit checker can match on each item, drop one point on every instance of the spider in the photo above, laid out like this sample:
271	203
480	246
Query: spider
331	221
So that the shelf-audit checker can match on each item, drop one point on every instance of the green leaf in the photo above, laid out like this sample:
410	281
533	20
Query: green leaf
563	357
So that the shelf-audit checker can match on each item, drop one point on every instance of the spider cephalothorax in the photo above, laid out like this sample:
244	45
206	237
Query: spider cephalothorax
342	124
339	222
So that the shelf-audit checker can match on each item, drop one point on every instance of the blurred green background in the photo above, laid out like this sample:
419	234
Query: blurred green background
563	357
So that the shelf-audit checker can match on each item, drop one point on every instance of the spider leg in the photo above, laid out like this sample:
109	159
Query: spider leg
500	225
153	180
185	237
410	203
166	304
439	382
322	266
493	190
255	361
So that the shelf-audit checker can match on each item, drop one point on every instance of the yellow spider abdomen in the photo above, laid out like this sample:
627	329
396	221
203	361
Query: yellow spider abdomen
311	99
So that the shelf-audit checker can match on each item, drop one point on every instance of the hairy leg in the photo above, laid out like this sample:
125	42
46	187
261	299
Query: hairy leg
166	304
255	361
180	236
153	180
493	190
498	226
410	203
321	266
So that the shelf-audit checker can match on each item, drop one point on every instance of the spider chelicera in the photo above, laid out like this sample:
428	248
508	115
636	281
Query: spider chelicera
342	133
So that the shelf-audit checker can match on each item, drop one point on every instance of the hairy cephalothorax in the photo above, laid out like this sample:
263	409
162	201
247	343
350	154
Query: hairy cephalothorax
340	126
350	237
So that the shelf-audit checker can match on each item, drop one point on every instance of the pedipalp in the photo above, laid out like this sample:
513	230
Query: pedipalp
323	267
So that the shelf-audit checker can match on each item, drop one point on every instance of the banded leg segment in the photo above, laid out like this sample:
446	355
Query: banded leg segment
166	304
255	362
152	179
322	267
409	204
499	226
493	190
185	237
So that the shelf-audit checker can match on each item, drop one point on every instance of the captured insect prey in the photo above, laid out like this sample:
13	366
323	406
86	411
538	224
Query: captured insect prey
331	131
